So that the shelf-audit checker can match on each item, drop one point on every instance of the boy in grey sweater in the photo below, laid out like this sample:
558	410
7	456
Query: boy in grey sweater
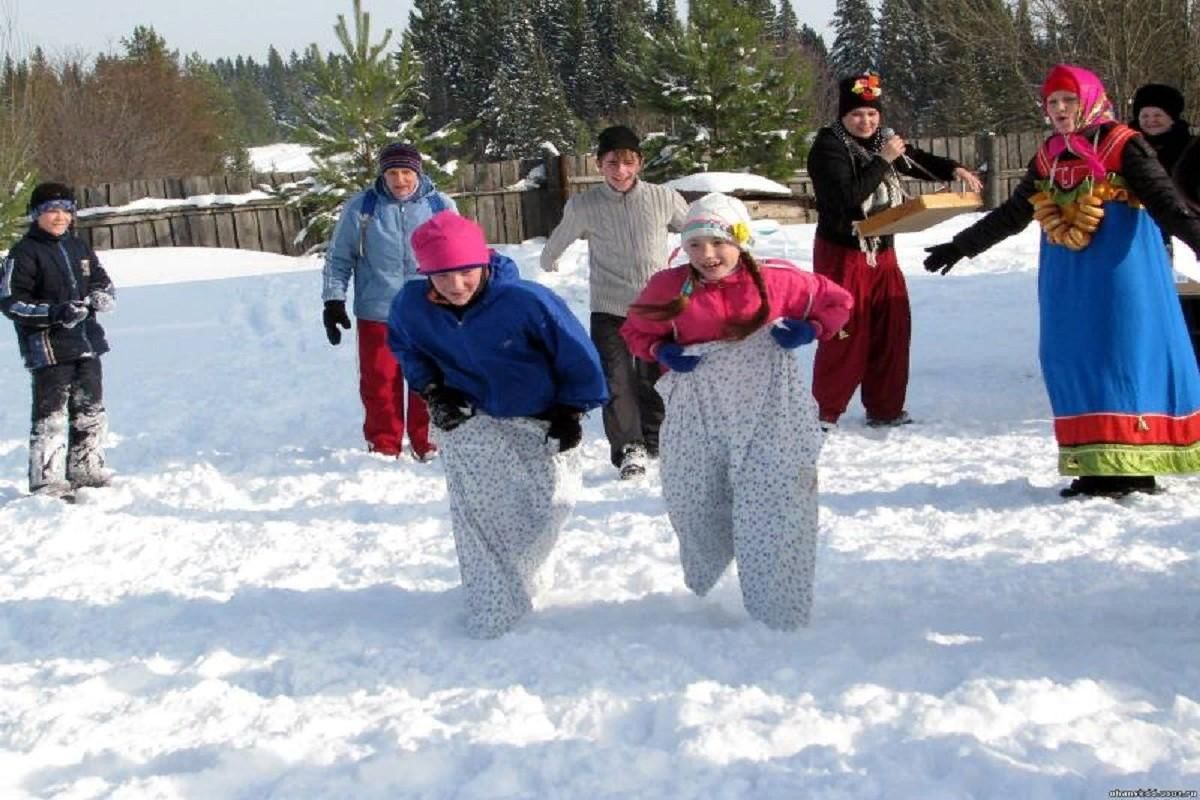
625	221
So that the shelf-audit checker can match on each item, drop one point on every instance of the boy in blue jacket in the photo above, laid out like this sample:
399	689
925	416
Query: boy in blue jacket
371	244
52	288
507	371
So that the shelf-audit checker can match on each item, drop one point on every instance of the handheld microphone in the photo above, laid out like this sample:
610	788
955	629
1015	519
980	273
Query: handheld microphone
887	133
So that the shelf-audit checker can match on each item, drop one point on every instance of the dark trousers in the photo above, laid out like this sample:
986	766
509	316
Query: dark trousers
66	437
634	411
875	353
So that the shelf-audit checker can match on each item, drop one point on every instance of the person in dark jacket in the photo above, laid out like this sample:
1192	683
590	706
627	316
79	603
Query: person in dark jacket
371	245
1158	116
855	166
507	371
52	288
1118	366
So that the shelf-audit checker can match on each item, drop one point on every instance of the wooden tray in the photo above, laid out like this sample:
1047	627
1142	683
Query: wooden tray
919	213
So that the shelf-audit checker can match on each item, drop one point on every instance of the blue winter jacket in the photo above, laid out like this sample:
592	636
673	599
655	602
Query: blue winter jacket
517	351
388	260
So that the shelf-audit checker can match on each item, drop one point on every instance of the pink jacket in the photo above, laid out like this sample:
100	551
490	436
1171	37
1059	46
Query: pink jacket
791	292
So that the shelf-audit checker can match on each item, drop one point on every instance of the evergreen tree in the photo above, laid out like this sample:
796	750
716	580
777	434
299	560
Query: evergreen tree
909	62
733	102
812	41
526	105
619	25
437	36
854	41
666	19
550	29
276	87
763	10
362	96
586	81
786	27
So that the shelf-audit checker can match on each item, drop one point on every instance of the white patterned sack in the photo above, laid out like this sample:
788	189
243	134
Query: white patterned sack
739	448
510	491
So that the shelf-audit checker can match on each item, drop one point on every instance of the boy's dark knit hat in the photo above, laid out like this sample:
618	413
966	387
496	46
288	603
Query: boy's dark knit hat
398	155
49	192
859	91
1159	95
618	137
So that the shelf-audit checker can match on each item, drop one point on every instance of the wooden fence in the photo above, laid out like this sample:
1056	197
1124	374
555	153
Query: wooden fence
512	200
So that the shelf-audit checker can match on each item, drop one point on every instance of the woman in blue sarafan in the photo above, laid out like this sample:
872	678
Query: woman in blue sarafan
1118	365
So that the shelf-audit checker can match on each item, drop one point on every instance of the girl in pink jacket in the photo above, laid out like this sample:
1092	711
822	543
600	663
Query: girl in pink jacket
740	440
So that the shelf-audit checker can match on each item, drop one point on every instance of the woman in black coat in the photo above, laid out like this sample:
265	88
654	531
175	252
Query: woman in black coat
855	166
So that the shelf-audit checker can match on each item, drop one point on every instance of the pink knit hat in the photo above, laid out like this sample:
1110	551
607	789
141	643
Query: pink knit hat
447	242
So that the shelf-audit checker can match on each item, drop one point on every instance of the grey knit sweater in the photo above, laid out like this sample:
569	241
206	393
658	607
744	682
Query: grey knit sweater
627	239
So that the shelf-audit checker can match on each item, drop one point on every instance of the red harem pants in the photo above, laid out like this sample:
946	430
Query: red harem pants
875	354
381	386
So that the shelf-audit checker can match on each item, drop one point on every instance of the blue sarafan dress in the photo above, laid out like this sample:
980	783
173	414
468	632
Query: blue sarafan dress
1116	356
1119	367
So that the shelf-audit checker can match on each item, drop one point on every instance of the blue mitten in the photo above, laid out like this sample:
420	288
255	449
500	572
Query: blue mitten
793	333
670	355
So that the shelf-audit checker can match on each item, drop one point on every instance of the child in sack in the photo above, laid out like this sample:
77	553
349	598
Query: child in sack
740	439
507	371
52	288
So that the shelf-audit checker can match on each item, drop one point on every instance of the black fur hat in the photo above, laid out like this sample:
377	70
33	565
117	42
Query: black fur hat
45	192
1159	95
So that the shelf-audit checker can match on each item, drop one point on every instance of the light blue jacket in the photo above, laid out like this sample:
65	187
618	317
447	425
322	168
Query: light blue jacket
388	259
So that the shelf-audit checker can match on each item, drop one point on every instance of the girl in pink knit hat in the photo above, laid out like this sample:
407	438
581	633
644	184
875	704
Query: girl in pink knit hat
507	371
740	439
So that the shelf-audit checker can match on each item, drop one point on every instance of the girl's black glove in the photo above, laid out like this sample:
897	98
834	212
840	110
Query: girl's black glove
565	426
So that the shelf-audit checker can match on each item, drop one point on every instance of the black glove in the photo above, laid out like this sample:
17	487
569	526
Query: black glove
333	316
565	426
69	314
448	408
942	257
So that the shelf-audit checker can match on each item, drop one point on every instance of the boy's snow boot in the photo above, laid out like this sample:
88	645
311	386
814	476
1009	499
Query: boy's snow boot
633	461
97	479
56	489
85	453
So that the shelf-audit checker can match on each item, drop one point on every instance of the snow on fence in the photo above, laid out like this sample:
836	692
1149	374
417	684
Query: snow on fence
512	200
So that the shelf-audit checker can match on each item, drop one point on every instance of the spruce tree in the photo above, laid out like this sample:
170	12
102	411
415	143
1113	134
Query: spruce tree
436	31
585	83
854	40
666	19
526	105
787	26
363	101
733	102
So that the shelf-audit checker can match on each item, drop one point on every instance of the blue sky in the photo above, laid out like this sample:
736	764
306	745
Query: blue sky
222	27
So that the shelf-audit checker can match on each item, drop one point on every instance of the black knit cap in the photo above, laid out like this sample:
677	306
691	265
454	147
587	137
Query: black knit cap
618	137
1159	95
45	192
859	91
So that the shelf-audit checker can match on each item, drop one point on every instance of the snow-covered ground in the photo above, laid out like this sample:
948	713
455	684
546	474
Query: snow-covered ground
260	609
282	157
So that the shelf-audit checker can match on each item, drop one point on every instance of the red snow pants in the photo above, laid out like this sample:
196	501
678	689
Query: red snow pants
381	386
875	353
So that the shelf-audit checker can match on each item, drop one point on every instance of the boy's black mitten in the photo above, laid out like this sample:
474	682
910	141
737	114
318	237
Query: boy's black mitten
448	408
69	314
565	426
333	316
